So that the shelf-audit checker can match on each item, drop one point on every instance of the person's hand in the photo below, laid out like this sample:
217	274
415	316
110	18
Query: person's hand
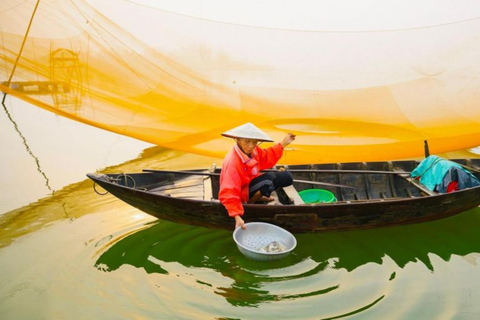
288	139
239	223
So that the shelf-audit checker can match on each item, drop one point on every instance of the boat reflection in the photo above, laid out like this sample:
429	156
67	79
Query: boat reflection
415	243
161	246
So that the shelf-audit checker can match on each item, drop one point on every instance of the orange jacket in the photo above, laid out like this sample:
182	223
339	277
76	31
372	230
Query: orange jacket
238	170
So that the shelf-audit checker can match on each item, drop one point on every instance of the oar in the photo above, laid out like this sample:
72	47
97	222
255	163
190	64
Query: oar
195	173
218	174
474	169
338	171
324	184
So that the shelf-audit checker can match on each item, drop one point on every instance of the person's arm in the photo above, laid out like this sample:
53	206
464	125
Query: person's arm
270	156
239	222
288	139
230	194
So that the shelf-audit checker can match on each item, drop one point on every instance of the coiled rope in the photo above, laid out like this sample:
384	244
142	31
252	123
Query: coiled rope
121	179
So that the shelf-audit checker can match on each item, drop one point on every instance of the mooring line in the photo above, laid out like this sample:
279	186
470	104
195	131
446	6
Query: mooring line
37	161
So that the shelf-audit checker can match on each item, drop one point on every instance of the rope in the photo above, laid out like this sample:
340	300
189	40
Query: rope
116	181
96	191
24	140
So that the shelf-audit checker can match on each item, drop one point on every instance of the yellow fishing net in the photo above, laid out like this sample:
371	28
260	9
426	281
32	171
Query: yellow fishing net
179	81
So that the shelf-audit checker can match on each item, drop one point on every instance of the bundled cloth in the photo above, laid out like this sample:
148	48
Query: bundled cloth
443	175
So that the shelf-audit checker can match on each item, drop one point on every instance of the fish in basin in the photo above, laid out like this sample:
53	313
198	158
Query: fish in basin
274	247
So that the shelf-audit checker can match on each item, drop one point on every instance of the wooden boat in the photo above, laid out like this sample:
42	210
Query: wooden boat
372	194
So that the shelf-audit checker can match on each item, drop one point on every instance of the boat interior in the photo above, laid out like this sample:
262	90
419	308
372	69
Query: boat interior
349	182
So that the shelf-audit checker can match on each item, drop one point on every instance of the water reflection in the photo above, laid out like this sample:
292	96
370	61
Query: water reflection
125	264
416	243
155	249
319	265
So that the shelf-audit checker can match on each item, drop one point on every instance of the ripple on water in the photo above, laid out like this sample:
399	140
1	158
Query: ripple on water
207	260
123	262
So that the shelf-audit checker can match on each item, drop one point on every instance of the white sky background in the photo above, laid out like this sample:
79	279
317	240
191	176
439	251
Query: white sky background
346	60
325	15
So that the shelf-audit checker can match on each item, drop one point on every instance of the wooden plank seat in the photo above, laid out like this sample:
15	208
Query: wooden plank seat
207	189
292	193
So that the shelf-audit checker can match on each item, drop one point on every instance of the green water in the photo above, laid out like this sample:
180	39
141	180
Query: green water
76	255
117	263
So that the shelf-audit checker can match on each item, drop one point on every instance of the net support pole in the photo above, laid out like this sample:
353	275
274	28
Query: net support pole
21	49
427	151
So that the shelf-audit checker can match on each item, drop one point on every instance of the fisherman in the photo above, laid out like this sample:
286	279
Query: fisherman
241	180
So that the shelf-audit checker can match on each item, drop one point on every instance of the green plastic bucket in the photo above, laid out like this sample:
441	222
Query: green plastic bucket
317	196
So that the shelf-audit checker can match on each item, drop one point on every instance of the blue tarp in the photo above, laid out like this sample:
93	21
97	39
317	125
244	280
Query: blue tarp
437	173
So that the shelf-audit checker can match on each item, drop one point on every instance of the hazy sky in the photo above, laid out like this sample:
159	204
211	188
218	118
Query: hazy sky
324	14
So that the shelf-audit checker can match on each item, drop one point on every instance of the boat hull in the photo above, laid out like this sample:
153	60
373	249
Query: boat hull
343	215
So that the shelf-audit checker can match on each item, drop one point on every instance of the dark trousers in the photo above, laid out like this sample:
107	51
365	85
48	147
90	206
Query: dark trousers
269	182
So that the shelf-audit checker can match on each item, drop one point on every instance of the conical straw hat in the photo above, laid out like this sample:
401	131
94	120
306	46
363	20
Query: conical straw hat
247	131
